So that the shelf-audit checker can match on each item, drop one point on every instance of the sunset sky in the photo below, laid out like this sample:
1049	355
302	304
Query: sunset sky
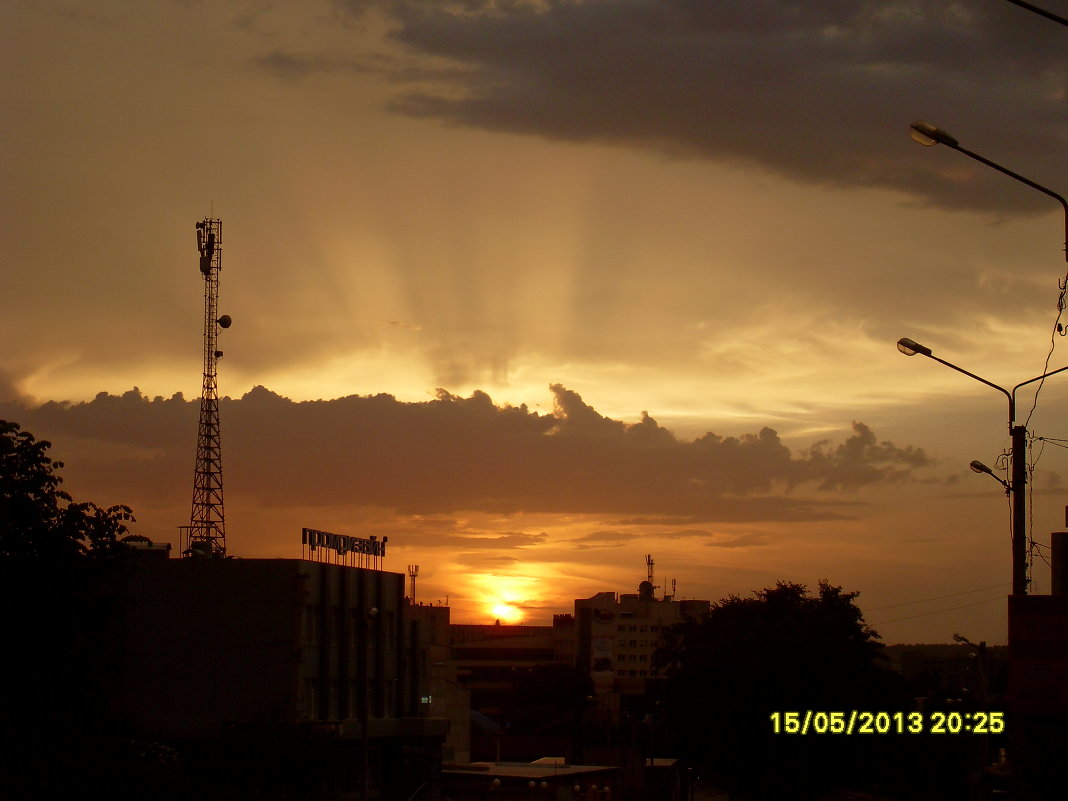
537	287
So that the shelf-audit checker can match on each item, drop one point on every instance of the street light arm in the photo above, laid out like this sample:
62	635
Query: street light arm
929	135
1012	397
1017	486
1002	390
1039	378
1006	171
1040	11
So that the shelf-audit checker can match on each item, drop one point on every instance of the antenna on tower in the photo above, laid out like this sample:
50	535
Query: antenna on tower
206	533
649	570
413	571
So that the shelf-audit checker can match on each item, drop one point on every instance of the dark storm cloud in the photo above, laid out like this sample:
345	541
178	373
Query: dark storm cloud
819	92
452	454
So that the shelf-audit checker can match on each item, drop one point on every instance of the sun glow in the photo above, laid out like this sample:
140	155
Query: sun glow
504	598
507	613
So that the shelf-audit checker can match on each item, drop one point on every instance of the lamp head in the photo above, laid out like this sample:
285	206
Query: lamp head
911	347
928	135
979	467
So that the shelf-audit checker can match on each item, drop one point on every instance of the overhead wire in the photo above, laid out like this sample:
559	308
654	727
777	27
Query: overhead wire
939	597
1060	443
939	611
1058	329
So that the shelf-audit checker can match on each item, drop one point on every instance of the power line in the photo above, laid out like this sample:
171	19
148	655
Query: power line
940	611
938	598
1060	443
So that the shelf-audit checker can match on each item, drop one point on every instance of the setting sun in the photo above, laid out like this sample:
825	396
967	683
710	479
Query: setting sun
507	613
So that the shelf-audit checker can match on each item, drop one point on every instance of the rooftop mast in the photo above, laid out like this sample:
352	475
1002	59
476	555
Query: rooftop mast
206	533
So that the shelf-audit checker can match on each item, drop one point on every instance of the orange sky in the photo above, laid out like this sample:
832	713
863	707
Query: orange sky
718	219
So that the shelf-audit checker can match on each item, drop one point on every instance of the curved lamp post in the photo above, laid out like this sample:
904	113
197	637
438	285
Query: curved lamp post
928	136
1018	480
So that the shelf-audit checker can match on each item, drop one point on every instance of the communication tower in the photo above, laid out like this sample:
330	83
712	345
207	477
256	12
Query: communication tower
413	571
206	533
649	570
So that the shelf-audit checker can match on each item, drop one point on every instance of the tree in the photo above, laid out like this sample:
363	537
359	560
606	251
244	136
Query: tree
782	650
60	566
39	521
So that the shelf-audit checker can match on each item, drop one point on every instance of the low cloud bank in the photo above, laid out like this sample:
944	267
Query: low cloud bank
453	453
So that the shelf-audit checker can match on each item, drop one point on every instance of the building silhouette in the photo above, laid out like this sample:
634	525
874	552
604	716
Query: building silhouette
296	675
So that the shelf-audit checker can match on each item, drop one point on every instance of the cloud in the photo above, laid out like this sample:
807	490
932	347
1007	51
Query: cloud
860	460
485	562
817	92
741	541
453	454
598	540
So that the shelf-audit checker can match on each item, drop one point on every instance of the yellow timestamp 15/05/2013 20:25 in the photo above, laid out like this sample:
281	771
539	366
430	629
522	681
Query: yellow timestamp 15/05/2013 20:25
862	722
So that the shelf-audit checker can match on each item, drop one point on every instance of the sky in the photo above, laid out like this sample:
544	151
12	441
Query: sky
538	288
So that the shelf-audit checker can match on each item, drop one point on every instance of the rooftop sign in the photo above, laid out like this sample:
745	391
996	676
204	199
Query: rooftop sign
323	546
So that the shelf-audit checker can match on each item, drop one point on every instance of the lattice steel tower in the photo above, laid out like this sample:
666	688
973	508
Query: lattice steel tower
206	533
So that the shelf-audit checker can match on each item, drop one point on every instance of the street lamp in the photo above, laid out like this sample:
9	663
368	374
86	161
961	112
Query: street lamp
1019	466
928	136
979	467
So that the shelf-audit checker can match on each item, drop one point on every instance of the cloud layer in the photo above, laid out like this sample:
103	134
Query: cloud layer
817	92
453	454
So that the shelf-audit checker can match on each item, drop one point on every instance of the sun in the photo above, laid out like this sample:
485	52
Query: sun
506	612
504	598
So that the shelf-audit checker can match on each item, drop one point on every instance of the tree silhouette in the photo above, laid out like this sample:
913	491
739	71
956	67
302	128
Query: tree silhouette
61	565
39	521
782	650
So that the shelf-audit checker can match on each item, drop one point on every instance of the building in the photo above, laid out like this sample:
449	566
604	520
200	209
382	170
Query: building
539	780
446	696
287	672
1038	665
616	636
489	658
